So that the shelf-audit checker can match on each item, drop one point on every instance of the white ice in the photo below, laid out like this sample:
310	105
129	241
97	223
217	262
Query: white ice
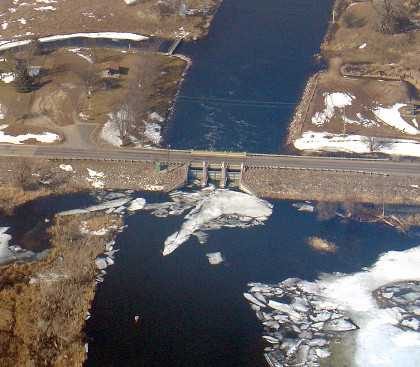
6	252
137	204
392	117
209	213
323	141
215	258
379	342
102	206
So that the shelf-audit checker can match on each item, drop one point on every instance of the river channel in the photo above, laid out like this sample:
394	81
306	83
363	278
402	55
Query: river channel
192	313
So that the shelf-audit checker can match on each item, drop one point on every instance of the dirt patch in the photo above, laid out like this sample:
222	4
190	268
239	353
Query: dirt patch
23	19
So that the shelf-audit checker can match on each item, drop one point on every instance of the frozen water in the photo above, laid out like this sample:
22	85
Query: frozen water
214	209
215	258
377	306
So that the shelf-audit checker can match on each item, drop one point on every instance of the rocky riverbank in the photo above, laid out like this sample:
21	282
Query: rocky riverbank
333	186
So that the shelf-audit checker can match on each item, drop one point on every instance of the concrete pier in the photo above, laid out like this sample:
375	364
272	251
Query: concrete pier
204	177
223	176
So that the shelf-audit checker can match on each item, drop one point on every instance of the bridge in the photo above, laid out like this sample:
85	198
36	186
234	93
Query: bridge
233	161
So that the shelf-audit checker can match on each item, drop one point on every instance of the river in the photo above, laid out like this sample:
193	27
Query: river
248	75
240	93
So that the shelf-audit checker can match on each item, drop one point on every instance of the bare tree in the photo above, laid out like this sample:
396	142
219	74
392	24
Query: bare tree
393	16
375	143
25	174
91	47
89	76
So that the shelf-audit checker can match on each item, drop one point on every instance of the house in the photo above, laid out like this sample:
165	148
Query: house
110	68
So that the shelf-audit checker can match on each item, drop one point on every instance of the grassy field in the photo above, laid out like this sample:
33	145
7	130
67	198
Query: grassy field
59	96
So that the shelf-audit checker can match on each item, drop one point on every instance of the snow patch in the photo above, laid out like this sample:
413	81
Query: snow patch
46	137
323	141
153	132
332	101
392	117
7	77
66	167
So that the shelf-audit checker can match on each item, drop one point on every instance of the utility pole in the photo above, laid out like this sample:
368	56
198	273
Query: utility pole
344	122
167	167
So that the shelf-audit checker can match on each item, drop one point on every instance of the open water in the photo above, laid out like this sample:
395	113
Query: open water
248	74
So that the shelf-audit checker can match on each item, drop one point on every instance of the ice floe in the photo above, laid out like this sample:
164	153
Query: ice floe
110	204
9	253
374	315
215	258
214	209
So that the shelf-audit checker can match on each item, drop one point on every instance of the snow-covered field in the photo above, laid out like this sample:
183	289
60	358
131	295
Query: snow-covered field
345	308
323	141
335	104
392	117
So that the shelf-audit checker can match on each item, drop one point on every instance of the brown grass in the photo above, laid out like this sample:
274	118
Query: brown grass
322	245
43	305
107	15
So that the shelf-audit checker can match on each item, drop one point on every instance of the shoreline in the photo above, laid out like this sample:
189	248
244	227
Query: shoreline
364	66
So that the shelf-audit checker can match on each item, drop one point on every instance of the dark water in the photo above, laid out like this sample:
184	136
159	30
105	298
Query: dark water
192	313
256	52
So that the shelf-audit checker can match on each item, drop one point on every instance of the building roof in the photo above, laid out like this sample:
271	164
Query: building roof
109	65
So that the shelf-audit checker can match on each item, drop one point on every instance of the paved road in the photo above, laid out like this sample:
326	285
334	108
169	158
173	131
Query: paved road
365	165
